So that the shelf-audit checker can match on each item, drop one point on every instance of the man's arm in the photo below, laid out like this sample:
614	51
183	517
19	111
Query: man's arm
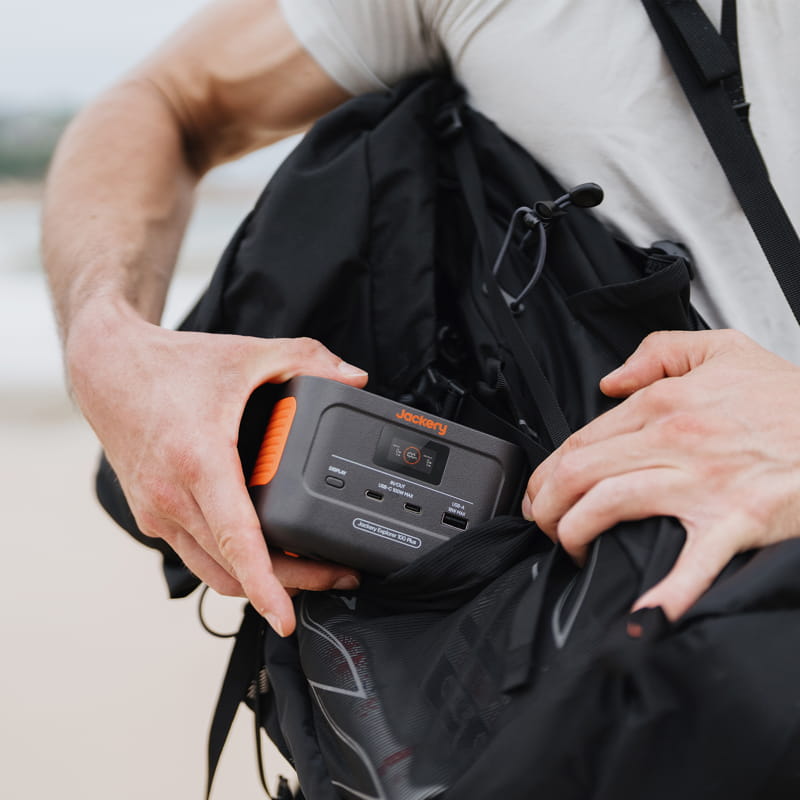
166	405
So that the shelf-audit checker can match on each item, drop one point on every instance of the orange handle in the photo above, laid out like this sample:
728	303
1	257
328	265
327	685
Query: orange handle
274	442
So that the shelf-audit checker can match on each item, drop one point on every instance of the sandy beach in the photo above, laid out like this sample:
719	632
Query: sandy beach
108	686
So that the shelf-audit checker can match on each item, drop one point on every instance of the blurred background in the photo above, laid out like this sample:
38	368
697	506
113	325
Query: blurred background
107	687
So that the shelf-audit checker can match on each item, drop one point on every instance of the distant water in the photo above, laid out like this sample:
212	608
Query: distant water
29	350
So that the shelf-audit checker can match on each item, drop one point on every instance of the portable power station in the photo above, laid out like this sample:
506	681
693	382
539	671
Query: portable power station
347	476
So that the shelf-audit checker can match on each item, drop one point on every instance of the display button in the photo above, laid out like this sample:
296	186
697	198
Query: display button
412	455
332	480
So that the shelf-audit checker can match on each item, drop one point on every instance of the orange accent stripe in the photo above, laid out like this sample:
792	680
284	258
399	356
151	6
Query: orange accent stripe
274	442
293	555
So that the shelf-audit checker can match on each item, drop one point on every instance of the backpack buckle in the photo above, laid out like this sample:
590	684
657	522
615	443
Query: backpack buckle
674	250
742	110
448	122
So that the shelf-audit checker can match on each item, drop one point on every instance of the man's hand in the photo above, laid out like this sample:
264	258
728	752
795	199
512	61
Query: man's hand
167	407
709	433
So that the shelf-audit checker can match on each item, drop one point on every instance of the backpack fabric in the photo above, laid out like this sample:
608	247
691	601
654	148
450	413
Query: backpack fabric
493	666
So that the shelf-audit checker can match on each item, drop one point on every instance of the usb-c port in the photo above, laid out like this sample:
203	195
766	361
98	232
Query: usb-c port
454	521
412	507
373	495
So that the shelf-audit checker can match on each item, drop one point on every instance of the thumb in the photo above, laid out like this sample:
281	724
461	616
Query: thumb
701	560
279	360
666	354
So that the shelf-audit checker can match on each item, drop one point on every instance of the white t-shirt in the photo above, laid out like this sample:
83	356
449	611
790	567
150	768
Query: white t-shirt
585	87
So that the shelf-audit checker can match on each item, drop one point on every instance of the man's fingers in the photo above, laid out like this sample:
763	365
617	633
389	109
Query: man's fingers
192	519
314	576
233	523
173	515
621	498
652	381
279	360
555	488
701	560
203	565
620	428
666	354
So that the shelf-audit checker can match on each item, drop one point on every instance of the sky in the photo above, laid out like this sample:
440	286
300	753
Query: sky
62	52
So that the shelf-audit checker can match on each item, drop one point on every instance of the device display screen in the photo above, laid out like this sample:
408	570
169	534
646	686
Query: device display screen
417	456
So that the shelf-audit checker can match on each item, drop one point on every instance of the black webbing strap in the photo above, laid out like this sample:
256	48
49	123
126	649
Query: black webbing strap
734	84
544	397
475	415
704	65
547	405
711	56
242	670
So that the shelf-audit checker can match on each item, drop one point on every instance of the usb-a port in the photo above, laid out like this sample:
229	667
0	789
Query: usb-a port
454	521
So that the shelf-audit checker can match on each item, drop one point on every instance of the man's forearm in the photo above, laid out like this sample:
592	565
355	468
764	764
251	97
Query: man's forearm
167	405
118	196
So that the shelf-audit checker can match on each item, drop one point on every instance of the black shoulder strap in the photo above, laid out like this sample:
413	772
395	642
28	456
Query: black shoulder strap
548	408
709	73
242	670
245	670
734	84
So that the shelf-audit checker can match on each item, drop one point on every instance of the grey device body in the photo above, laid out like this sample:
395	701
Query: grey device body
347	476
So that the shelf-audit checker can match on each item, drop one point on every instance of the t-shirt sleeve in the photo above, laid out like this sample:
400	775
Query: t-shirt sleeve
365	45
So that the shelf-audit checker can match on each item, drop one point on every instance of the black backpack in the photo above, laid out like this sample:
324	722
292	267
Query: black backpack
493	666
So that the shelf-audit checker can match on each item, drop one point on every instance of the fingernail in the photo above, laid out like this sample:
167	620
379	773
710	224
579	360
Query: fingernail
351	371
634	629
646	622
527	508
274	623
347	583
614	372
